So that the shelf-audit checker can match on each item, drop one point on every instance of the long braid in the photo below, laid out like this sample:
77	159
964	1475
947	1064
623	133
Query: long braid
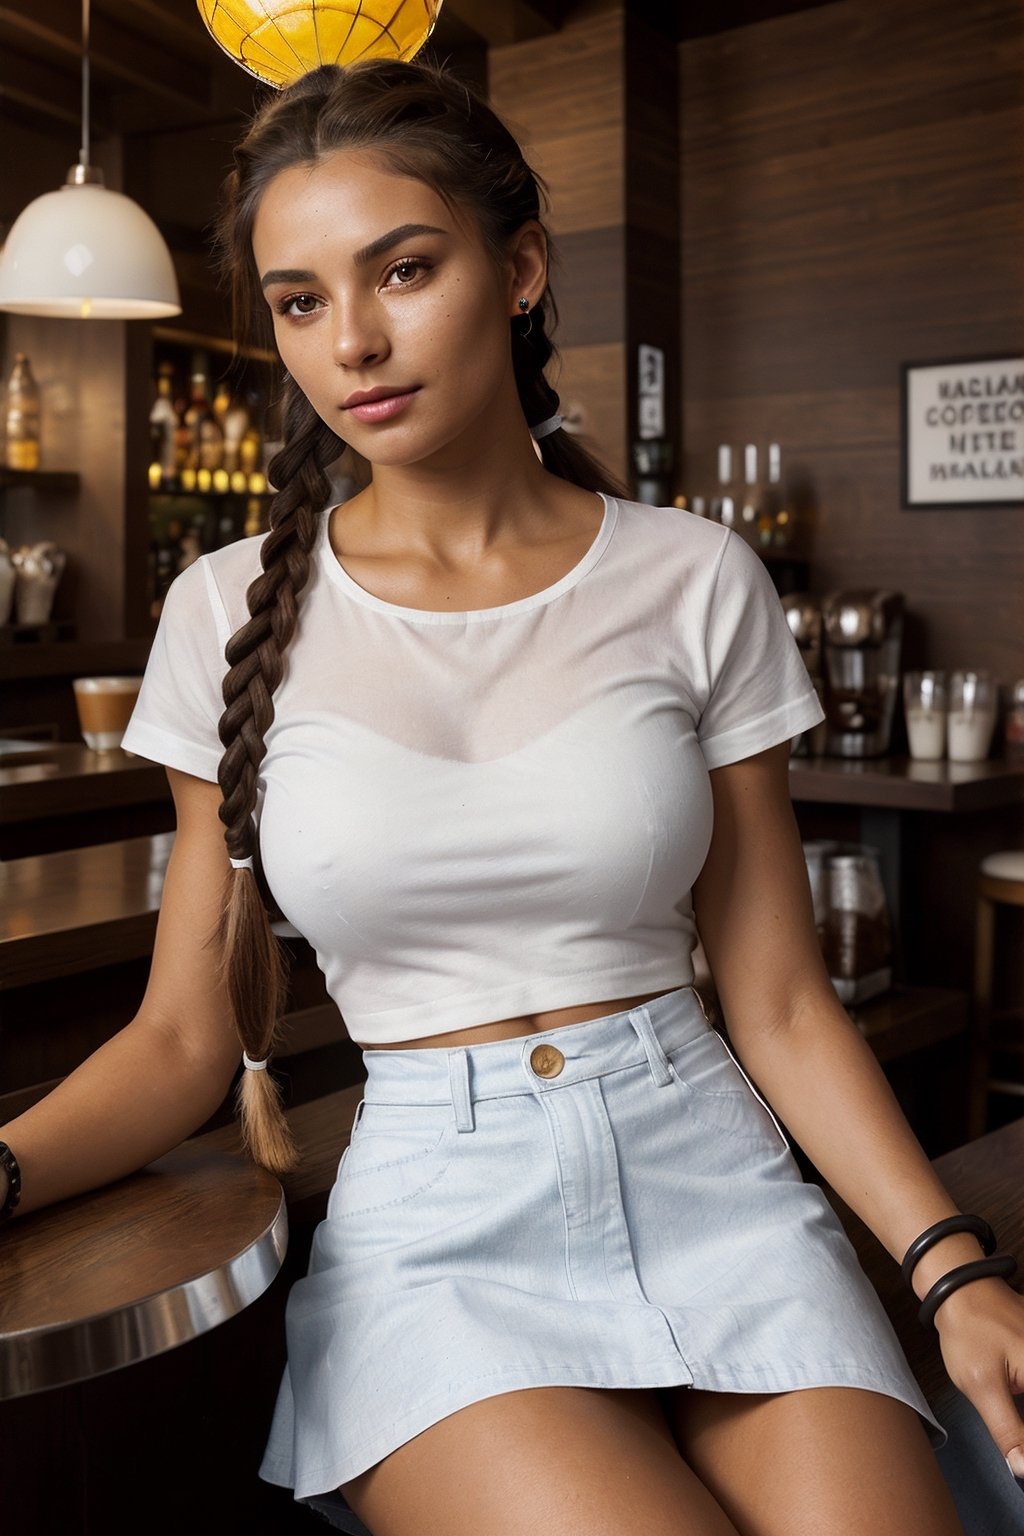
254	963
532	351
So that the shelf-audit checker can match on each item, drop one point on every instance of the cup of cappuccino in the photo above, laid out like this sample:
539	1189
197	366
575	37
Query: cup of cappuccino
105	706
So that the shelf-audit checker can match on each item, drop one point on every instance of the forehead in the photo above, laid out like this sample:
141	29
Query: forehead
345	199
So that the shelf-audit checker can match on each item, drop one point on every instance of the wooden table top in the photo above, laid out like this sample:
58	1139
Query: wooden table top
58	778
986	1177
61	913
906	784
123	1273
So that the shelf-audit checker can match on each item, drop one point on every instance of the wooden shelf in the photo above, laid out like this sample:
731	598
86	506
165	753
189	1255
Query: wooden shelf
170	335
39	479
73	658
906	784
908	1019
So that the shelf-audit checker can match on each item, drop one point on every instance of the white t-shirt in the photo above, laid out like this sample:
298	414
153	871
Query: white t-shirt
475	816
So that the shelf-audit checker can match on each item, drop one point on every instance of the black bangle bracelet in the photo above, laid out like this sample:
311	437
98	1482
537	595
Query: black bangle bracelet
977	1225
9	1163
1002	1265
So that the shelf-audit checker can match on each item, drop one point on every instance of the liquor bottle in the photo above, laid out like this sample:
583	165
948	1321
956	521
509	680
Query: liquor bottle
250	451
751	509
236	424
783	526
163	424
723	508
206	435
166	556
23	416
221	403
770	505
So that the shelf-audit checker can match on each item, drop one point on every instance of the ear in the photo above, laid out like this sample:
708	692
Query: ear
528	261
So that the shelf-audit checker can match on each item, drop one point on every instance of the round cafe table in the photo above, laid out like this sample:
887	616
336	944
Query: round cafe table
123	1273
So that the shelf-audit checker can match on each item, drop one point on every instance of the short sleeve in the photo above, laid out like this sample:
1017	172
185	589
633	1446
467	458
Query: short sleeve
180	701
759	690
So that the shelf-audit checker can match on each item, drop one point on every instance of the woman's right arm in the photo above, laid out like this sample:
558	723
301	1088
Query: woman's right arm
162	1076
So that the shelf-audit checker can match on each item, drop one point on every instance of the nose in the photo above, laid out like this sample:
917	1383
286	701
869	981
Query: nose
357	338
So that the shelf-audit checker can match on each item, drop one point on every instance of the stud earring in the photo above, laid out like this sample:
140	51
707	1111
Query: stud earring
524	305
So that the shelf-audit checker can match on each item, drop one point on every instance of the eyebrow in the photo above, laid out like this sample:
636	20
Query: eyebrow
367	253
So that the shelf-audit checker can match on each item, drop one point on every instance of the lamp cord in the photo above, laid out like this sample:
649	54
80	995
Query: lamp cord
83	153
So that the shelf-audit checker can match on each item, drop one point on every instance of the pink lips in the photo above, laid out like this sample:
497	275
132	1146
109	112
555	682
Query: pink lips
380	410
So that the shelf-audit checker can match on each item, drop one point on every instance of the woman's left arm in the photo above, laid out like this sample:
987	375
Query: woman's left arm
753	908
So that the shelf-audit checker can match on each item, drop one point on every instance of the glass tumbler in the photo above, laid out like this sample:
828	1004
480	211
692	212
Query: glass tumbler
972	716
924	704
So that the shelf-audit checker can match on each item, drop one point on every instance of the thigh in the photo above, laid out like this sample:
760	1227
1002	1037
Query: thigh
823	1461
565	1461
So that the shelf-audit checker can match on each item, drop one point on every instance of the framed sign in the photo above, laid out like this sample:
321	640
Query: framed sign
963	433
650	392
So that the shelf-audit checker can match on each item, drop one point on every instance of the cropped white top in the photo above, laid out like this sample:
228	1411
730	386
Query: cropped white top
476	816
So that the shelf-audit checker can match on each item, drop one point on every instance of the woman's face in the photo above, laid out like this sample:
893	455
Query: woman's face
377	289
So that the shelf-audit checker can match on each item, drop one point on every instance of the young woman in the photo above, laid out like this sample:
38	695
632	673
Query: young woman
499	743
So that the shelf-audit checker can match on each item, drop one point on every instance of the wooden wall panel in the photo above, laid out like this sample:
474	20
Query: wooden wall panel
594	106
589	381
563	97
852	198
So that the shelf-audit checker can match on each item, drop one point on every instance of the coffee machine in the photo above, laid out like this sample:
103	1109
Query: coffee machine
803	615
862	632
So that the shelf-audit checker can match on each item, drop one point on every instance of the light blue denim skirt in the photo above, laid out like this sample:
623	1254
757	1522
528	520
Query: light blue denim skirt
607	1204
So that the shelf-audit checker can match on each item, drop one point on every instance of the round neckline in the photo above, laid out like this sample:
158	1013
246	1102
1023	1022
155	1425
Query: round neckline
337	573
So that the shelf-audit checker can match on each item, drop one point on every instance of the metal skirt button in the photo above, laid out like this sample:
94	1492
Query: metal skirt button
546	1060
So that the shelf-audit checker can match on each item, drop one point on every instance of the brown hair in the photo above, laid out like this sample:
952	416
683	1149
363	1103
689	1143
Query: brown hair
424	123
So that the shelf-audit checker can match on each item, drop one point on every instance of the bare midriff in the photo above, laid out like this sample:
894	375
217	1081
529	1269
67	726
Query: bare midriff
511	1029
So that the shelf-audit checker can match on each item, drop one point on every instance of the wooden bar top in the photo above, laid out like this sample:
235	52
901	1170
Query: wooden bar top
907	784
125	1272
61	913
43	778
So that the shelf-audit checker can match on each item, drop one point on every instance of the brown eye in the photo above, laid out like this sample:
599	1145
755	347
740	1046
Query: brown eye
298	304
404	272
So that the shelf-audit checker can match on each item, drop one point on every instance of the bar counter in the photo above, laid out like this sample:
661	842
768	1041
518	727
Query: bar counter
908	784
56	795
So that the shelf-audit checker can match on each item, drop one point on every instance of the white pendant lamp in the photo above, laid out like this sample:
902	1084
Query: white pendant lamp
85	252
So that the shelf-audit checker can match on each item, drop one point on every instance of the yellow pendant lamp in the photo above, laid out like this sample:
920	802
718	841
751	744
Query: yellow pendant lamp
279	40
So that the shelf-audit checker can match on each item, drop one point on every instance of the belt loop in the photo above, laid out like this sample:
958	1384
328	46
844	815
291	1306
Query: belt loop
458	1078
358	1115
661	1067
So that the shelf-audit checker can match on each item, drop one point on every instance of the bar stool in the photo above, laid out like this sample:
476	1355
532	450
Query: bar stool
1000	883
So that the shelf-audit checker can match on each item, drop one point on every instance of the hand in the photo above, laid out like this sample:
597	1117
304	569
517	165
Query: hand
981	1332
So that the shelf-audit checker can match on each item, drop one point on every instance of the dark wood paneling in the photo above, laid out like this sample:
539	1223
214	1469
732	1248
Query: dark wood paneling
852	199
653	304
588	280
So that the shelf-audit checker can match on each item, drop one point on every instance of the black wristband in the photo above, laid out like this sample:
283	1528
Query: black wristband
9	1163
1002	1265
976	1225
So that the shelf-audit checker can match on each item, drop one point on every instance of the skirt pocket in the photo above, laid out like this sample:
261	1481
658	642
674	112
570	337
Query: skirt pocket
397	1153
721	1096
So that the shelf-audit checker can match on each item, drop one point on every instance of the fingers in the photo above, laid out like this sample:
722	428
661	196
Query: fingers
998	1409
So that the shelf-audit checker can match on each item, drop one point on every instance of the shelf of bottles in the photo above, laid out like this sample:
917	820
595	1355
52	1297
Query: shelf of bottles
756	506
212	430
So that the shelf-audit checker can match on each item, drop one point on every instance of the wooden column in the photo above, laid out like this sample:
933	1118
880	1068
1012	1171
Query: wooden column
594	105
